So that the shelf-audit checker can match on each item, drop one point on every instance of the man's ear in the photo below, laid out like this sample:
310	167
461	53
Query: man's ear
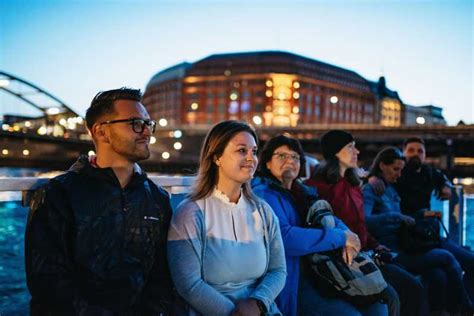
98	132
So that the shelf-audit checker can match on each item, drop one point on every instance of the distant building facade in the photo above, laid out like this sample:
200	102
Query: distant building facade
389	104
269	88
421	115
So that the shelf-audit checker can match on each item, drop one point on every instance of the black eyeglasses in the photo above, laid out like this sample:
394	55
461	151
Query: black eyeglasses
138	125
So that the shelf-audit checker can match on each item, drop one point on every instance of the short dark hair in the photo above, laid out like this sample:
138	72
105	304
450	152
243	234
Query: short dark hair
103	103
270	146
413	140
388	155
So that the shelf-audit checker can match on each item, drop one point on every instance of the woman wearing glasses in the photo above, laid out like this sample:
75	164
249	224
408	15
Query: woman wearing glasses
278	184
225	250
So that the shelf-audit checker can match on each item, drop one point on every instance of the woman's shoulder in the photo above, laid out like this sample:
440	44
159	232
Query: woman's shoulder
187	210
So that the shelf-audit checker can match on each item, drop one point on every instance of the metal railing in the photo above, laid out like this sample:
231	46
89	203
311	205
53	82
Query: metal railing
175	185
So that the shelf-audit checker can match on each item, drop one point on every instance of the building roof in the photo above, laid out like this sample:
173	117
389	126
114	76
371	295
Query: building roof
276	62
175	72
379	88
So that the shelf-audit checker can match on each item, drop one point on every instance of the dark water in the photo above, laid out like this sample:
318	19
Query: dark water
14	296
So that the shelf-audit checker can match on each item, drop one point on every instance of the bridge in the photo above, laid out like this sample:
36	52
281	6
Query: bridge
55	139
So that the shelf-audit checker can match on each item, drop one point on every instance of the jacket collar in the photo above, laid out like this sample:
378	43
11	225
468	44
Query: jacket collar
83	165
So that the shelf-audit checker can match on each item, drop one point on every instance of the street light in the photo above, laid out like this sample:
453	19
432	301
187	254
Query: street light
420	120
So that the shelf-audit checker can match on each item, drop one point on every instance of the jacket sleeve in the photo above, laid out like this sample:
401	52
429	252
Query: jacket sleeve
158	294
439	180
376	222
274	279
185	246
301	241
340	224
48	252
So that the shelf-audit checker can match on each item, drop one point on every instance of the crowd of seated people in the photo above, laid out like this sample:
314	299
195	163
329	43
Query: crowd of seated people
239	244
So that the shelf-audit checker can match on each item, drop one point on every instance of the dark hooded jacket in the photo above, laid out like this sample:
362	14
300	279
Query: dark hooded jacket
92	247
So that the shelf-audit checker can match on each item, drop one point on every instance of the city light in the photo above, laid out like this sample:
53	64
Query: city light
269	83
42	130
296	84
163	122
333	99
257	120
91	153
296	110
194	106
63	122
177	145
27	124
52	111
296	95
269	93
5	127
4	152
233	96
165	155
178	133
420	120
152	140
26	152
4	83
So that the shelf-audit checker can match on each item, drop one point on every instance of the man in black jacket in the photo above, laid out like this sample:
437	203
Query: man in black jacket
419	180
96	237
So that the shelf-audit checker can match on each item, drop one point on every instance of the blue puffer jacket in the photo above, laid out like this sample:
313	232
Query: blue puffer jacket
298	241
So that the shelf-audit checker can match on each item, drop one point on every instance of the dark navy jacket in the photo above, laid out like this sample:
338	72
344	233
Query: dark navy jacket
92	247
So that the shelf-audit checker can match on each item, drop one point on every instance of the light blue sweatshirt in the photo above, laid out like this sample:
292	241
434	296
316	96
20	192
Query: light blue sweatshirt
221	252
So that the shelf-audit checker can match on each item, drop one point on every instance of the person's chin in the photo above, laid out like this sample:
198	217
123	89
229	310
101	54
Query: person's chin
142	155
246	176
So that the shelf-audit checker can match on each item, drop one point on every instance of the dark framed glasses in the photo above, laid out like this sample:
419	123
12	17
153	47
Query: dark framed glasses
138	124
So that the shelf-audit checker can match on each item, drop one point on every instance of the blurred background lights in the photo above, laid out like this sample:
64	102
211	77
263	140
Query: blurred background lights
42	130
163	122
177	145
420	120
257	120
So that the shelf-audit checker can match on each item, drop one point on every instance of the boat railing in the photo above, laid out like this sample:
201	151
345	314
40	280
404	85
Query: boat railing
454	212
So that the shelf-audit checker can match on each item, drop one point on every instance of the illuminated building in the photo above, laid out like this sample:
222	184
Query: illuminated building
269	88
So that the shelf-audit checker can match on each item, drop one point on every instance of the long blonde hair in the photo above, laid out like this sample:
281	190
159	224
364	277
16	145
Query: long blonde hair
213	148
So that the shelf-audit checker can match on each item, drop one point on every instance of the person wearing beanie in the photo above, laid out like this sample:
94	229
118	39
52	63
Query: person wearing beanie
333	141
338	183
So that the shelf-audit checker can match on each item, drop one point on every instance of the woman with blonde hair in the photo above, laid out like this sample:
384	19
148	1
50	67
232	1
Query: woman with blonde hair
225	249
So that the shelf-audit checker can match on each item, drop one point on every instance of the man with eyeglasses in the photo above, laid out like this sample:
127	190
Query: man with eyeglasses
96	236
